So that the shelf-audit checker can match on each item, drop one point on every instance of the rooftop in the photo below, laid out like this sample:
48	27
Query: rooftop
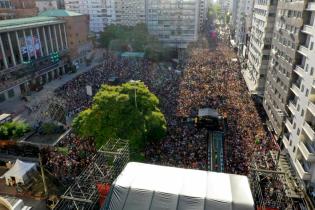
59	13
11	24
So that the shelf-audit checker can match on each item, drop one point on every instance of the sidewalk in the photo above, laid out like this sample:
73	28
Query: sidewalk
17	106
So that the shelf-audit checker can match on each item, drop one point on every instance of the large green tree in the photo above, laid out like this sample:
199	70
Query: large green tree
129	111
136	38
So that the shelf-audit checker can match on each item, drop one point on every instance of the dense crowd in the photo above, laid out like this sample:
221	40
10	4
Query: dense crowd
209	79
67	159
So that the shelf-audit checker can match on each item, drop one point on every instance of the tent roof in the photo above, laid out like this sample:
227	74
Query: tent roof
19	169
144	186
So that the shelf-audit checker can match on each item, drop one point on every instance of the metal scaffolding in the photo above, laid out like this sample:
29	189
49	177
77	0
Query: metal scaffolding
105	166
272	185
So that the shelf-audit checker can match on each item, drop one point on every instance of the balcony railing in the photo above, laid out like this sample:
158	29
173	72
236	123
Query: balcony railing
302	170
285	141
311	107
299	70
307	150
288	124
292	107
308	29
309	130
295	90
303	50
311	6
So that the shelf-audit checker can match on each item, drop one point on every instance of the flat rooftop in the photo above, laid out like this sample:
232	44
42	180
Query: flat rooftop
20	23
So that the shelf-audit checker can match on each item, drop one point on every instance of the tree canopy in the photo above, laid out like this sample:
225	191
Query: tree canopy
13	130
136	38
129	111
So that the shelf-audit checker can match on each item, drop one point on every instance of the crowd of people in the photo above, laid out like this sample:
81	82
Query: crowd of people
210	78
69	157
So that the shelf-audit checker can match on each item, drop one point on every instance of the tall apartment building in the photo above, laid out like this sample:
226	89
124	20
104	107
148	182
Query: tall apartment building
299	130
284	57
44	5
260	45
10	9
175	23
101	12
243	24
130	12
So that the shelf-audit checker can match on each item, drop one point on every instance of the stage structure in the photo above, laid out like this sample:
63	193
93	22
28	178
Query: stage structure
106	165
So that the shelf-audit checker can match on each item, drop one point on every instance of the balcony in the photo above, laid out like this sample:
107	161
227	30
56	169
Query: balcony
308	29
303	50
285	141
299	71
295	89
302	170
307	151
309	131
288	124
292	107
311	6
311	107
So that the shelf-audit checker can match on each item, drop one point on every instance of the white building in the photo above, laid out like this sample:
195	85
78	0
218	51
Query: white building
299	135
243	24
175	23
260	45
226	5
101	12
44	5
130	12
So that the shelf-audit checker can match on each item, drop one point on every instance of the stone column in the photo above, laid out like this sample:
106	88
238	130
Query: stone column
11	49
56	38
19	46
40	42
45	40
61	39
50	37
32	35
64	28
3	54
28	53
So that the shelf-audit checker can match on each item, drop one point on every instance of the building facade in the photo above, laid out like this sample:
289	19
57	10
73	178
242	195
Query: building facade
130	13
243	24
260	45
17	9
284	58
101	12
43	5
299	131
77	29
32	53
174	23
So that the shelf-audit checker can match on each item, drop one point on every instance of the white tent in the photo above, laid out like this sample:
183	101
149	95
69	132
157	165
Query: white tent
18	173
144	186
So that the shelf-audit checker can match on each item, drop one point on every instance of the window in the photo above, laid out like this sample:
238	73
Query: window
298	132
312	71
307	92
294	125
302	113
290	142
293	149
312	45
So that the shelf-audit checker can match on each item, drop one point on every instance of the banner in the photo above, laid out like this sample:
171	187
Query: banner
31	45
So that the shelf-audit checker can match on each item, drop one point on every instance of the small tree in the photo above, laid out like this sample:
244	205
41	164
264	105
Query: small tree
129	111
13	130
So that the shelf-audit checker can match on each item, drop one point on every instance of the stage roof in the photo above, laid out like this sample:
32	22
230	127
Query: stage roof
144	186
